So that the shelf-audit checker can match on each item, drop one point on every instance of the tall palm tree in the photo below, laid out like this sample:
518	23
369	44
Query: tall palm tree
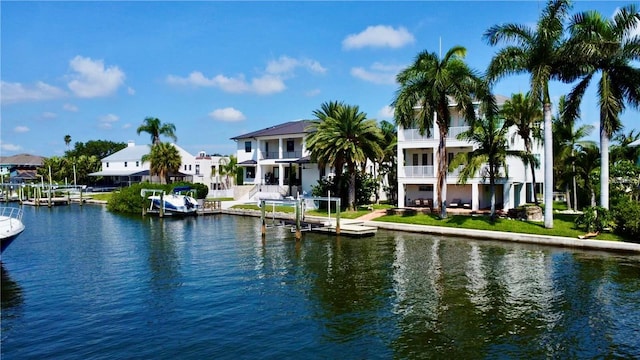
164	159
587	163
537	52
342	134
67	140
568	142
489	134
525	113
155	128
389	160
608	47
428	87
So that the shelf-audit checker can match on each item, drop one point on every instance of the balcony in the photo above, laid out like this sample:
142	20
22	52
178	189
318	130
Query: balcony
285	155
454	131
418	171
414	135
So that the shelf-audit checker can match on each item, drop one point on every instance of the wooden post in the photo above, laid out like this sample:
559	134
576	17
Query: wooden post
161	211
298	232
80	196
69	198
262	217
338	217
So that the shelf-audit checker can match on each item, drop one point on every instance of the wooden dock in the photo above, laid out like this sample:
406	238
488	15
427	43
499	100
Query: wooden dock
350	228
55	201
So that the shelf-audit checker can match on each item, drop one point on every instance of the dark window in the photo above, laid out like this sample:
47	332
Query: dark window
250	172
247	146
415	159
289	145
125	164
428	187
425	160
137	163
197	169
107	164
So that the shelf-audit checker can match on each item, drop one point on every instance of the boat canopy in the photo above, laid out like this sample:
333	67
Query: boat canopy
179	189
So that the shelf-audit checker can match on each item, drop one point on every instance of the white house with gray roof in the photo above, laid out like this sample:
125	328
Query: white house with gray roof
126	166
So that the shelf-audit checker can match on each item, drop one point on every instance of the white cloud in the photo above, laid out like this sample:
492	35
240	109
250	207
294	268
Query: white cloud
106	121
271	82
21	129
228	114
286	65
70	107
126	126
386	112
378	36
10	147
92	79
17	92
377	73
313	92
131	91
109	118
49	115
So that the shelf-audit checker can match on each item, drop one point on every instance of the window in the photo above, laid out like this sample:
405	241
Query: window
125	164
185	167
189	167
137	163
425	158
197	169
247	146
107	164
428	187
250	172
289	145
415	159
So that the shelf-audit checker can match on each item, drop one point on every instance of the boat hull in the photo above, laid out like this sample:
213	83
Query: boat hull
11	226
179	205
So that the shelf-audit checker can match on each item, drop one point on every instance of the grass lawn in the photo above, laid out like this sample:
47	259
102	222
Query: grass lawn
563	224
101	196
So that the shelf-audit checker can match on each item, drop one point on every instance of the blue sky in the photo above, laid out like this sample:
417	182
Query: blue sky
95	70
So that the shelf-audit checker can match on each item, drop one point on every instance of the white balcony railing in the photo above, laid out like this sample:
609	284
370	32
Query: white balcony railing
418	171
454	131
414	135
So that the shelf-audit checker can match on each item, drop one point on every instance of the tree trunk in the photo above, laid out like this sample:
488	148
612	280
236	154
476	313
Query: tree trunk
492	188
575	188
352	189
533	173
548	167
604	167
442	170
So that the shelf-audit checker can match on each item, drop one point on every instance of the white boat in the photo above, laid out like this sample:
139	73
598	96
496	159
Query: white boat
179	202
10	225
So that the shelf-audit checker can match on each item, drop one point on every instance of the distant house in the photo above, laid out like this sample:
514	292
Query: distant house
208	171
21	168
126	167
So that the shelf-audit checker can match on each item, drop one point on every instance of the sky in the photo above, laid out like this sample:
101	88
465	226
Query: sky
96	70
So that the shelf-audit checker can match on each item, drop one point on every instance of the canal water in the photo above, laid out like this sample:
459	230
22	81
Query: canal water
83	283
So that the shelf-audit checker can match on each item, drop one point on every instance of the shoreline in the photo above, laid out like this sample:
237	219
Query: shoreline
583	244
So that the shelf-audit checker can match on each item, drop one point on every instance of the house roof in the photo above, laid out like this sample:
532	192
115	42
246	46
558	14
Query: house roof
131	152
291	127
22	159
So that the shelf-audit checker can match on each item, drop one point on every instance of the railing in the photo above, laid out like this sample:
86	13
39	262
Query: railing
291	154
270	155
418	171
414	135
454	131
11	213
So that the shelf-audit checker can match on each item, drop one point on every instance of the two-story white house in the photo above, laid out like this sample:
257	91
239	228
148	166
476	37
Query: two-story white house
417	170
207	171
276	159
126	167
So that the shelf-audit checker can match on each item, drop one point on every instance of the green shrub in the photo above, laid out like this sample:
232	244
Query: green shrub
626	215
594	218
129	201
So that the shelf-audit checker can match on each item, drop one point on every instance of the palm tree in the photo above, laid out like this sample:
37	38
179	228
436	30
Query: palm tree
228	167
622	150
489	135
537	52
608	47
342	135
427	89
389	160
524	112
164	159
155	128
67	140
568	143
587	163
